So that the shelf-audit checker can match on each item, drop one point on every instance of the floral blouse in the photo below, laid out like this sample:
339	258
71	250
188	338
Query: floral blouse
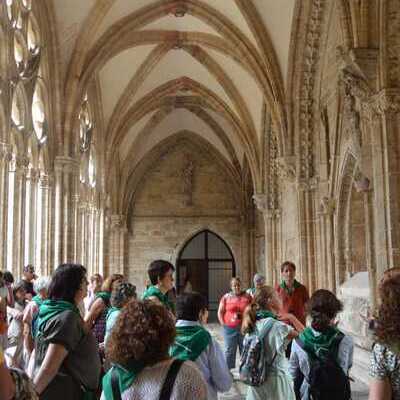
386	364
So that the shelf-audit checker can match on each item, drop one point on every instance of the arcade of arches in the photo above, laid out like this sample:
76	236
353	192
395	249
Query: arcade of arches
127	127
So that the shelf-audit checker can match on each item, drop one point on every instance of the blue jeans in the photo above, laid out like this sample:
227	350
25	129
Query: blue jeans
232	339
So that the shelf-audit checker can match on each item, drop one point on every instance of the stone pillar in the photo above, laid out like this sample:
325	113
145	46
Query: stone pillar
44	238
370	245
117	244
327	265
271	222
306	201
101	246
19	207
57	234
30	216
5	158
386	158
66	181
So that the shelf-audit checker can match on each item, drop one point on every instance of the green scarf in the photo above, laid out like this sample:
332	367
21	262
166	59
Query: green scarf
154	291
112	310
126	376
105	296
50	308
38	300
320	345
190	342
261	314
289	291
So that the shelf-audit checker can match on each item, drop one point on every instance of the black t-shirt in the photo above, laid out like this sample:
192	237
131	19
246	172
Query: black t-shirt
28	286
82	361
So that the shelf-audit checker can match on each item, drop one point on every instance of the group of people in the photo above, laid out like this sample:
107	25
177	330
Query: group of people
306	354
79	339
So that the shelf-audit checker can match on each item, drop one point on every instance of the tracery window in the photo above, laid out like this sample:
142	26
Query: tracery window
25	69
38	113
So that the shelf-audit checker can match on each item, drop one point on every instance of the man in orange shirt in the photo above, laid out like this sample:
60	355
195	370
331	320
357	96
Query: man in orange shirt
293	294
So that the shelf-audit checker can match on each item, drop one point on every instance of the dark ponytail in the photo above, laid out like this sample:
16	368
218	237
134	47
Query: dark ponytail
323	307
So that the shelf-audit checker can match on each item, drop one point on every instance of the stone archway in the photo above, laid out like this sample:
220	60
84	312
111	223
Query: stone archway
207	263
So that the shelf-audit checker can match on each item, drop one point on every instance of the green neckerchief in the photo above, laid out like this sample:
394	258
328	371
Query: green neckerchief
190	342
50	308
112	310
289	291
261	314
38	300
154	291
320	345
126	376
105	296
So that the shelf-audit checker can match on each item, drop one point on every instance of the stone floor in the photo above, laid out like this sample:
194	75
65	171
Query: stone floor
238	390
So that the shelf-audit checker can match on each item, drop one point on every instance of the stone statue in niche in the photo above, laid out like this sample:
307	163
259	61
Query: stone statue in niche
187	182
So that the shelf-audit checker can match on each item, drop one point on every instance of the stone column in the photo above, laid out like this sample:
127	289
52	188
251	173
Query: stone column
5	158
101	247
117	243
387	180
31	205
327	266
45	262
57	234
370	245
271	221
306	201
19	207
66	181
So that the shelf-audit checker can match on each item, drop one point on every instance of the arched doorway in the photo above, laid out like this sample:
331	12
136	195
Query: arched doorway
207	262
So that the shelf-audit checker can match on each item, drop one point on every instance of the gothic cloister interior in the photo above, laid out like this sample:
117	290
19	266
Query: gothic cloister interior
129	128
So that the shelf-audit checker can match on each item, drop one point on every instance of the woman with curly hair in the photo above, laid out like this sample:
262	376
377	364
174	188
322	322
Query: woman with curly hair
138	350
385	358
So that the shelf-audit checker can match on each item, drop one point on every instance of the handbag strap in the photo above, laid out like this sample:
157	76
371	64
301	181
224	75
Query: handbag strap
115	385
168	385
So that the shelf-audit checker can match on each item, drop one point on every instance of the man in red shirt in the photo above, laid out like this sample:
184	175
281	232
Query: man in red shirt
293	294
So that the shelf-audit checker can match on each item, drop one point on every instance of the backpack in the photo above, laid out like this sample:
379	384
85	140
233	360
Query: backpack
327	379
253	368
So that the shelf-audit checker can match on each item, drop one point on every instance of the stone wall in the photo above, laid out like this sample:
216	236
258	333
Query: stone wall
168	210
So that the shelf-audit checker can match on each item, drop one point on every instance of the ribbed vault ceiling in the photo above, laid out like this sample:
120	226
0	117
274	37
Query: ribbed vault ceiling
162	67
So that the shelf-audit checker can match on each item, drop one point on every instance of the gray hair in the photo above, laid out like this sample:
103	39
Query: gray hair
41	283
258	278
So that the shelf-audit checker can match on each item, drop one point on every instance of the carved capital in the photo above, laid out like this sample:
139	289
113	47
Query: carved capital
5	152
307	184
273	213
45	181
32	175
287	168
387	102
21	163
327	206
261	202
361	182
